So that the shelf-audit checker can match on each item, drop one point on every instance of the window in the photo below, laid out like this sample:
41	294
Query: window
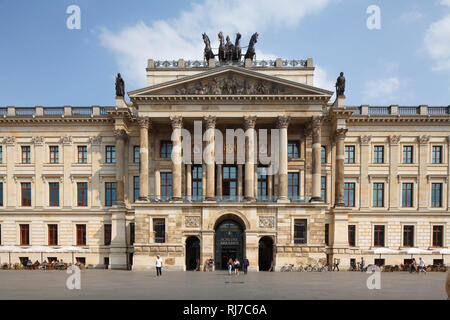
349	194
293	185
53	188
136	188
407	154
26	154
82	194
107	234
293	150
81	234
438	236
378	194
323	154
24	234
54	154
26	194
436	195
110	154
229	181
197	189
378	154
82	154
327	232
166	185
132	233
165	149
262	183
349	154
52	234
407	195
136	151
323	188
352	235
1	194
300	231
1	154
159	227
0	234
436	154
378	238
408	236
110	193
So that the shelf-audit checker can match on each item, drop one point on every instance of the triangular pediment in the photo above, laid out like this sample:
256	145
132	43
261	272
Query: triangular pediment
230	80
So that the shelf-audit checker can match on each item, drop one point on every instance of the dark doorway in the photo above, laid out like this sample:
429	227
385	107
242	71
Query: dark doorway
192	252
228	243
265	255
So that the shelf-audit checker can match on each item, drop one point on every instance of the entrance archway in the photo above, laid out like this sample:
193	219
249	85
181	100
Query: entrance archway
265	254
192	252
228	242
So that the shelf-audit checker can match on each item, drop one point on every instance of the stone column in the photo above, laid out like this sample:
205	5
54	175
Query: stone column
157	184
118	250
394	183
365	188
143	158
219	182
189	181
121	135
209	157
177	123
340	157
282	124
422	183
239	180
269	186
249	157
316	161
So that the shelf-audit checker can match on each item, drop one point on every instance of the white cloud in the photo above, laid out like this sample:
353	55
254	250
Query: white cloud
437	43
321	79
412	15
181	37
445	2
381	90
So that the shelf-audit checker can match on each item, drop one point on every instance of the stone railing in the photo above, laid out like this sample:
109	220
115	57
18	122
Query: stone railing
422	110
191	64
66	111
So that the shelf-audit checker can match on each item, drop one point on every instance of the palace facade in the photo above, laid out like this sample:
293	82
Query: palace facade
346	181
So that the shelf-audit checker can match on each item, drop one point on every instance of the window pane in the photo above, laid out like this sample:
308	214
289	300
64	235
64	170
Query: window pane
300	230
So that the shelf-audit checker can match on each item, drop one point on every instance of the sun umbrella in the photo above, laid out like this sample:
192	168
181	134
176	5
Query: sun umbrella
381	251
10	249
442	252
413	251
71	249
39	249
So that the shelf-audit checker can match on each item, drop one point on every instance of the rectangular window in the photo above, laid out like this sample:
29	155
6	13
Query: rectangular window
327	232
132	233
407	154
378	236
53	189
300	229
52	234
1	194
262	182
54	154
229	181
110	154
82	154
26	154
349	194
82	194
323	188
407	195
26	194
293	185
107	234
81	234
438	236
165	149
436	195
24	234
323	154
349	154
436	154
159	227
408	236
136	154
166	185
0	234
136	188
110	193
378	154
352	235
197	188
378	194
293	150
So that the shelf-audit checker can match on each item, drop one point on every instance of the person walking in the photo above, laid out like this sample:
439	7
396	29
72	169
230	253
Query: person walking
230	266
422	265
413	266
245	264
335	264
272	266
362	264
158	266
237	264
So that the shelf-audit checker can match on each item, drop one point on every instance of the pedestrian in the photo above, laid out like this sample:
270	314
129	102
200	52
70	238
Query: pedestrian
272	266
210	265
245	264
230	266
158	266
335	264
205	266
362	264
413	267
237	264
422	265
197	264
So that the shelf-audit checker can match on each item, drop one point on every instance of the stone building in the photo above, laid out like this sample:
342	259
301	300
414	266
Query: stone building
328	180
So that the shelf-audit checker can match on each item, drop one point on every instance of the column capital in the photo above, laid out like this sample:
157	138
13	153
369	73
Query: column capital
283	122
250	122
210	122
176	121
144	122
120	133
394	140
317	121
365	140
423	139
340	133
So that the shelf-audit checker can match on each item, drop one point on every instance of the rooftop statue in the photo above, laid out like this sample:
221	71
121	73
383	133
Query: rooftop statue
229	52
120	86
250	54
340	85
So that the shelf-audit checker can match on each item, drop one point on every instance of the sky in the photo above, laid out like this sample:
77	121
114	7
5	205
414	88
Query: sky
406	61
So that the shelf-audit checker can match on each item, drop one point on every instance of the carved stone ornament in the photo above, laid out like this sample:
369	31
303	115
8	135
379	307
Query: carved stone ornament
210	122
423	139
9	140
96	141
283	122
66	140
39	141
365	140
340	133
120	133
176	121
394	140
250	122
266	222
192	221
144	122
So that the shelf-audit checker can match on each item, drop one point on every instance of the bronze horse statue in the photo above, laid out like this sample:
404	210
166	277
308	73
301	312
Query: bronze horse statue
221	47
208	53
250	54
237	48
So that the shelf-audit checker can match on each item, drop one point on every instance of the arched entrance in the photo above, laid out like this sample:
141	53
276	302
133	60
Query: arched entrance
192	252
228	243
265	254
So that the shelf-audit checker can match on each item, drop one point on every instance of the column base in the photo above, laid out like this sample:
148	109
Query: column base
210	199
339	205
118	261
249	199
176	200
143	199
316	199
283	200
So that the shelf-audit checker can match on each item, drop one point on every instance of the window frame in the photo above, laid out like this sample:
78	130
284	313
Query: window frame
110	154
52	234
436	195
350	154
293	189
378	152
376	191
83	202
323	154
434	154
81	234
351	233
407	195
25	188
53	154
82	150
323	188
408	154
26	154
136	154
300	223
377	240
24	231
107	234
110	193
166	153
55	193
347	194
136	188
197	183
293	149
159	226
436	235
166	185
408	233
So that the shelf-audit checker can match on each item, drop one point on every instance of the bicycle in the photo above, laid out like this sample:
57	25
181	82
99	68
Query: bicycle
287	268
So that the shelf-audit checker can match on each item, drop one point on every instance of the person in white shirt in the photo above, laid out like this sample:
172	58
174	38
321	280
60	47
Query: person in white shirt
422	265
158	266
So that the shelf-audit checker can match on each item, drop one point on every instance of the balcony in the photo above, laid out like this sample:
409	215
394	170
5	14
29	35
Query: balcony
438	111
54	112
25	112
379	110
408	110
227	199
82	111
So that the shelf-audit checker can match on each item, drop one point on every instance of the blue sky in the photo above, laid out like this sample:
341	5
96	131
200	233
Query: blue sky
42	62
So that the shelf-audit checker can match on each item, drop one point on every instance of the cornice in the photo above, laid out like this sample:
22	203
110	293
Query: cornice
393	118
